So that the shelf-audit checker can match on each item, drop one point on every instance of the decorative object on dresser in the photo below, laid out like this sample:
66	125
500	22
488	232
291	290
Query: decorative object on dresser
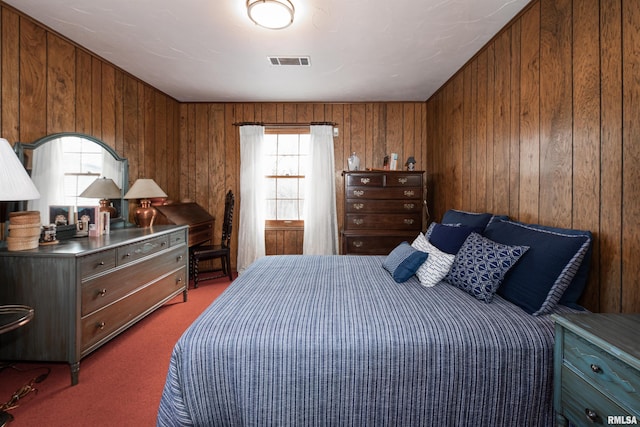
103	189
411	163
597	369
221	251
87	291
145	189
381	209
15	185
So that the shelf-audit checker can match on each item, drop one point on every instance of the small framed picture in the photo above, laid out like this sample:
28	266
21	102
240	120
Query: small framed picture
60	215
87	213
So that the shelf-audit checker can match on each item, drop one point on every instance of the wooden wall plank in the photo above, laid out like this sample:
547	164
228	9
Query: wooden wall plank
586	127
529	195
630	297
61	85
83	92
609	292
555	112
501	123
33	80
10	87
514	121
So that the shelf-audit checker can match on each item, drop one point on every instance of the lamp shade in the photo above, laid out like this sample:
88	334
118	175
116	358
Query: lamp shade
15	183
145	188
102	188
272	14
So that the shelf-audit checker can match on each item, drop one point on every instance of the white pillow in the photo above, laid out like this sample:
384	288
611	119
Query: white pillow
436	266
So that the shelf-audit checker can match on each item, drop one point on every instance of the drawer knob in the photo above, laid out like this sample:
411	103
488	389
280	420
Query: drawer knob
409	206
163	244
592	415
357	243
100	325
403	180
409	193
101	263
408	221
179	280
595	368
365	180
102	292
358	193
180	258
358	206
358	221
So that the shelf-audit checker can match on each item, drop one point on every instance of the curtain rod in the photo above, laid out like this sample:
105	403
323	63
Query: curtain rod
284	124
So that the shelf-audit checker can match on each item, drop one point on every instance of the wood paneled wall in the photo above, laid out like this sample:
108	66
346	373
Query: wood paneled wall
49	84
210	147
543	125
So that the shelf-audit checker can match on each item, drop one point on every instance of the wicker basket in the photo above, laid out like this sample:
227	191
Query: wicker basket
22	243
24	218
24	230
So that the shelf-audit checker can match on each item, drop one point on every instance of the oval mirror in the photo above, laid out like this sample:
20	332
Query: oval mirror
63	165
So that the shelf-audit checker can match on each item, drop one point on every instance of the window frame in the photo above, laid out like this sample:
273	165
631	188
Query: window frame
285	224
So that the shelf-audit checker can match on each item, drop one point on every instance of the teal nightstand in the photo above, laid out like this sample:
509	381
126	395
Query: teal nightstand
597	369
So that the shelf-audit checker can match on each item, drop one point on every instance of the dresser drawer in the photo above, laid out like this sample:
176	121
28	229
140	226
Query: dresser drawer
102	323
384	221
603	370
103	290
391	206
365	180
373	245
383	193
97	263
177	238
584	404
134	251
403	180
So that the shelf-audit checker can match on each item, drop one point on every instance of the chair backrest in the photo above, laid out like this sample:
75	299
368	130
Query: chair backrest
229	201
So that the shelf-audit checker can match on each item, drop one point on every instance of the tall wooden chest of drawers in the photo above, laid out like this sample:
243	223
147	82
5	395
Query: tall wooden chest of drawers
597	369
381	209
86	291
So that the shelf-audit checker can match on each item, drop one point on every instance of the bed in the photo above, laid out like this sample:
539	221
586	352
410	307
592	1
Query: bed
335	340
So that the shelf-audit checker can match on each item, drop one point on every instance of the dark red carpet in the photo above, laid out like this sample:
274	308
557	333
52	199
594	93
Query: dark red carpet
120	383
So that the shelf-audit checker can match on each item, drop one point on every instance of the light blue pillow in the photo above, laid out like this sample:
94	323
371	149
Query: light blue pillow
404	261
481	264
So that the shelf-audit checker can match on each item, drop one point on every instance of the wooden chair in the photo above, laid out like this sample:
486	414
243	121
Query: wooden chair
221	251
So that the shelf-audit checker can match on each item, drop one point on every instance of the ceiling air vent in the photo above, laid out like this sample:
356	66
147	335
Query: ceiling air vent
290	60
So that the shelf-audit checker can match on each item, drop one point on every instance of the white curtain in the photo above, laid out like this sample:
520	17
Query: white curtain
252	196
48	176
320	217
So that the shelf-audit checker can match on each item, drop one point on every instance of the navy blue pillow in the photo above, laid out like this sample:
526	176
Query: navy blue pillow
470	219
538	281
449	238
404	261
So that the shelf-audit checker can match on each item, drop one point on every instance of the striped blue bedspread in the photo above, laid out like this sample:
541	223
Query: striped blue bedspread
335	341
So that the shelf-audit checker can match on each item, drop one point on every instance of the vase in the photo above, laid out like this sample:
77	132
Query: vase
354	162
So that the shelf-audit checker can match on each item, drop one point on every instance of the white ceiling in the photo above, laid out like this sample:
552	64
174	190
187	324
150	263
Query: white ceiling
209	50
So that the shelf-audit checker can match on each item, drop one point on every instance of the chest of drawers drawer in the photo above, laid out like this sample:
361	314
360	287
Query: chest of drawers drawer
383	193
134	251
101	324
596	368
97	263
389	221
386	206
105	289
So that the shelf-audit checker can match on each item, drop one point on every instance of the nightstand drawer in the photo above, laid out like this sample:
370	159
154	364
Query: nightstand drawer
584	404
603	370
97	263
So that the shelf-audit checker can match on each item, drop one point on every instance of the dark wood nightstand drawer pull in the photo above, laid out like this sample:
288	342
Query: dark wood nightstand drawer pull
100	325
102	292
595	368
591	415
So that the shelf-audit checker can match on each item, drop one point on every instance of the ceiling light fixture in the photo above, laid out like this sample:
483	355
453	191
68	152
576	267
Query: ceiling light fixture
272	14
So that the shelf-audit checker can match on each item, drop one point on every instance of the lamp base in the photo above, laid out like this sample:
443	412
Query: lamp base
145	214
105	206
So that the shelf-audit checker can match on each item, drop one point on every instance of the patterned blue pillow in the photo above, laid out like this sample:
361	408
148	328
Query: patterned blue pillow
481	264
403	262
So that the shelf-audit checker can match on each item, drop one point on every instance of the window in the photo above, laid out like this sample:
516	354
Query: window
286	156
82	165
